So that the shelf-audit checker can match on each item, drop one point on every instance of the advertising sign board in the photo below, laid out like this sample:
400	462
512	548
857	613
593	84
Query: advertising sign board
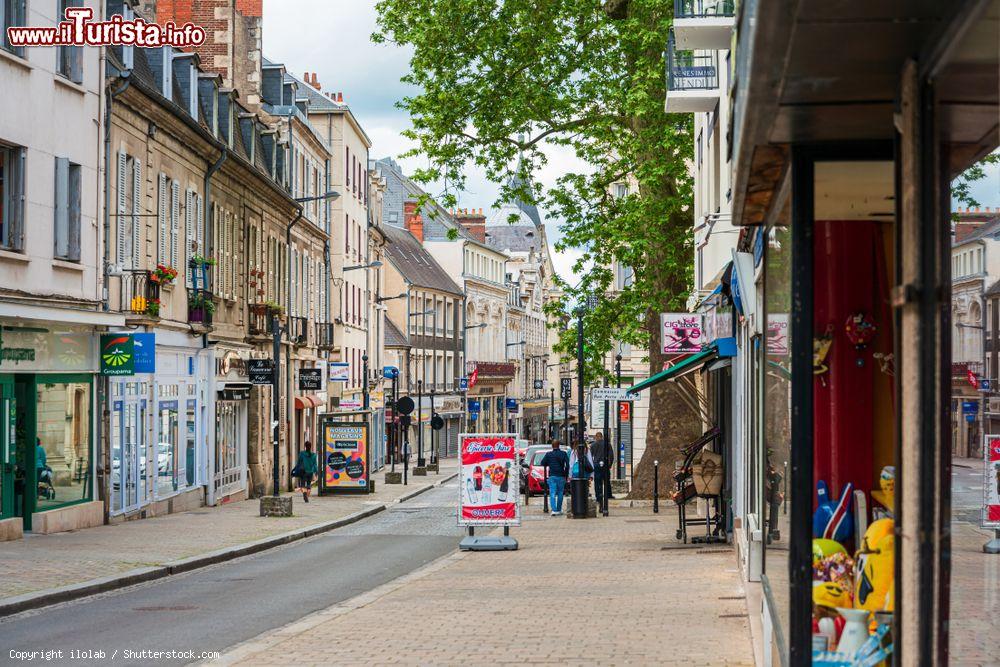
489	480
260	371
991	482
340	371
311	379
345	456
681	333
117	354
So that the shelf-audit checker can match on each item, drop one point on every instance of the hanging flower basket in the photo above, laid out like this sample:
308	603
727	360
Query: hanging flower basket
153	307
163	274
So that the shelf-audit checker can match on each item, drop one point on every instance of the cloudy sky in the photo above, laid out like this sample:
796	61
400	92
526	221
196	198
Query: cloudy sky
331	38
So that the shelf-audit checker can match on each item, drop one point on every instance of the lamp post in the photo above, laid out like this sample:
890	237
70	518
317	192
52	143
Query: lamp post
276	400
619	445
580	484
394	431
420	425
433	431
552	412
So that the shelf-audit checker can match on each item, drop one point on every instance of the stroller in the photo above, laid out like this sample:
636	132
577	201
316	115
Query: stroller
46	489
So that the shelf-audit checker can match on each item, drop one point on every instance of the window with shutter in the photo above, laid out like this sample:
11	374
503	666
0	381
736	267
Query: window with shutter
200	231
136	211
162	221
175	204
61	212
120	222
216	249
189	236
227	239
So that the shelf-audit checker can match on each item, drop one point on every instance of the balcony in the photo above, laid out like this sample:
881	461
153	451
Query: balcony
260	319
140	296
201	308
704	24
298	330
324	335
692	80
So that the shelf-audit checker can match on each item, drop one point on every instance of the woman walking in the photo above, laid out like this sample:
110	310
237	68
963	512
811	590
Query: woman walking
305	469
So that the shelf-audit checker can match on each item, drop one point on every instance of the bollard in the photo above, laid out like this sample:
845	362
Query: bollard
545	490
527	488
656	487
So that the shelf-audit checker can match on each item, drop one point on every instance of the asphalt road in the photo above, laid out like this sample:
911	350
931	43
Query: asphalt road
217	607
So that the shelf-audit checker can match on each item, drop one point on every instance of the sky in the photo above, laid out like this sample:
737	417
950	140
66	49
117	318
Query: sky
331	38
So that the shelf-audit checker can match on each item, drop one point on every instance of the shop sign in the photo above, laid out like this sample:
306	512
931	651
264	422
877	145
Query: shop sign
681	333
972	378
230	361
512	405
566	388
260	371
390	372
463	384
27	350
474	406
234	394
144	345
970	407
340	371
991	482
349	404
117	354
777	334
310	379
539	384
625	411
345	456
489	478
984	385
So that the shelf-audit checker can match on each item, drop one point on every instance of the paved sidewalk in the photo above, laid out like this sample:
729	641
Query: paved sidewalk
46	562
600	591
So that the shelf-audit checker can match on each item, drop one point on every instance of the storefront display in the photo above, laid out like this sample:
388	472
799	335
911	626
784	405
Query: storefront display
345	456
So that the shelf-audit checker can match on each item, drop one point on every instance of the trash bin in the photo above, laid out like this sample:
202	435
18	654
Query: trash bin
581	490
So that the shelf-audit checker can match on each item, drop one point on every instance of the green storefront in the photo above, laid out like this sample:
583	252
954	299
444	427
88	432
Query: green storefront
47	408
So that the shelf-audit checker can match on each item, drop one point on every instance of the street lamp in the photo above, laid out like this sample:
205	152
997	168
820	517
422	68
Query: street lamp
552	412
382	299
481	325
620	448
420	426
371	265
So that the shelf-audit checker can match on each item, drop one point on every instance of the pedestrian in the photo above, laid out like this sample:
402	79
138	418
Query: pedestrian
305	468
603	459
557	464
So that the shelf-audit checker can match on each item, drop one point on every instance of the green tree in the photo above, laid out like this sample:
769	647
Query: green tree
502	81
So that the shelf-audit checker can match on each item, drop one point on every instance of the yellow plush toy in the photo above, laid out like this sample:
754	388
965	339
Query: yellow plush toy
876	561
830	595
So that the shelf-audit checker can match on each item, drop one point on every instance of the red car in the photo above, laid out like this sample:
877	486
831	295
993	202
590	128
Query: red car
532	472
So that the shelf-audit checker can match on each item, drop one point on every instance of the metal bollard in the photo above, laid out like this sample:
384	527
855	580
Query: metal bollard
527	489
656	487
545	490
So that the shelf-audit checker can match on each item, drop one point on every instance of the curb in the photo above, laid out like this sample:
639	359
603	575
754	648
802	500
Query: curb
36	600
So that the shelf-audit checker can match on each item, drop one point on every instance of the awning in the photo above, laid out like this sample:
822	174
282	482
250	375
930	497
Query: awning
306	401
721	348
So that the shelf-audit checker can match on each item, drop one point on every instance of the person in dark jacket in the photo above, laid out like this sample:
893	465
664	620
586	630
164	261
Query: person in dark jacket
557	463
306	468
603	457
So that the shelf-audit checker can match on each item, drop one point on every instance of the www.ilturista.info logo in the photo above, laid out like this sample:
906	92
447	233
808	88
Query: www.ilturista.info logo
79	30
113	355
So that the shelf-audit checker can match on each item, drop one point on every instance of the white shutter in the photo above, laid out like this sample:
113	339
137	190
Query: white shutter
120	208
136	210
189	232
163	252
200	232
294	286
227	282
216	250
61	215
175	203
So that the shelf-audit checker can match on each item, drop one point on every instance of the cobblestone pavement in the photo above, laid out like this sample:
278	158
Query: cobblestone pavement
600	591
41	562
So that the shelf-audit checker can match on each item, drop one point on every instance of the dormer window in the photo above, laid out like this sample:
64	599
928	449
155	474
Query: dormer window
128	51
167	72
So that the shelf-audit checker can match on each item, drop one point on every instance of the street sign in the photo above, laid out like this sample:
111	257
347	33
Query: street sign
310	379
463	384
984	384
970	407
340	371
566	388
405	405
539	384
625	411
608	394
474	406
512	405
596	415
117	354
437	423
260	371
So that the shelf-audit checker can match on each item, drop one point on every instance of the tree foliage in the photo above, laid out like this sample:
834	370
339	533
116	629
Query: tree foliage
961	188
502	82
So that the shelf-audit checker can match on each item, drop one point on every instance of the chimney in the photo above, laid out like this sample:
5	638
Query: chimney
412	220
315	82
474	222
340	98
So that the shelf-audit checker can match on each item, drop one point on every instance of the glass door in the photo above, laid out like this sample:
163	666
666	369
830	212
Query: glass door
128	460
7	430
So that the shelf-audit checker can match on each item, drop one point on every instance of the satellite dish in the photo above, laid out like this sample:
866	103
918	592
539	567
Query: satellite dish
405	405
437	423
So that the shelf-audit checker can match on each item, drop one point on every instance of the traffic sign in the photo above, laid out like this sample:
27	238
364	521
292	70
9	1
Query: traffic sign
608	393
463	384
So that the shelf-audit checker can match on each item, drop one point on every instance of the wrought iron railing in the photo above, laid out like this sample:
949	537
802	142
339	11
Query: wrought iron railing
298	330
696	9
140	293
324	335
201	307
691	70
259	320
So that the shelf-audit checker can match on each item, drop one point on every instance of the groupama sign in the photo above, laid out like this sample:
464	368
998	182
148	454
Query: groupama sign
117	354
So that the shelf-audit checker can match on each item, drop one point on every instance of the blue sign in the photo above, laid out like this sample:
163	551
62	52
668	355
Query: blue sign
970	418
970	408
474	406
390	372
473	416
145	352
511	405
984	384
463	384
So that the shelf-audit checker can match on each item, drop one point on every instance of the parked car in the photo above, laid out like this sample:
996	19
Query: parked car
532	473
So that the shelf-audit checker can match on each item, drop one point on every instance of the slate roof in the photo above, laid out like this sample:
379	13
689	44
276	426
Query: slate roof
513	238
989	229
393	336
414	263
523	213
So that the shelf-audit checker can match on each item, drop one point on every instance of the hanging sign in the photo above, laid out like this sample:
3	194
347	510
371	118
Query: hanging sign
340	371
972	378
463	384
489	479
260	371
474	406
681	333
512	405
310	379
991	482
144	347
345	456
566	388
539	384
117	354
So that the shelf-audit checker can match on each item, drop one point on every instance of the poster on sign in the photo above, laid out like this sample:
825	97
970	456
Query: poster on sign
991	482
489	480
777	334
681	332
344	457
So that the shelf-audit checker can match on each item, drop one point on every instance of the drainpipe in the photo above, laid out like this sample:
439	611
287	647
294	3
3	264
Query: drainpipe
210	394
289	404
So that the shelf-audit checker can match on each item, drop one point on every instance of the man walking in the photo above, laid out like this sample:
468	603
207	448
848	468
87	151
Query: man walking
558	470
603	459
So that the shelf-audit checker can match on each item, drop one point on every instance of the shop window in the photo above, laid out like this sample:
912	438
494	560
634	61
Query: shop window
63	449
190	441
168	430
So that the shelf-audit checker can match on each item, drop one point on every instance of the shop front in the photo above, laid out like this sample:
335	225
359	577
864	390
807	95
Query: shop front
48	403
229	455
160	428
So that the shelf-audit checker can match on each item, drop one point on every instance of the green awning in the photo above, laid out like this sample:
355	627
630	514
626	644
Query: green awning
691	363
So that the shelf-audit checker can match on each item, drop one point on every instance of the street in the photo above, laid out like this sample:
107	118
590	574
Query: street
196	611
